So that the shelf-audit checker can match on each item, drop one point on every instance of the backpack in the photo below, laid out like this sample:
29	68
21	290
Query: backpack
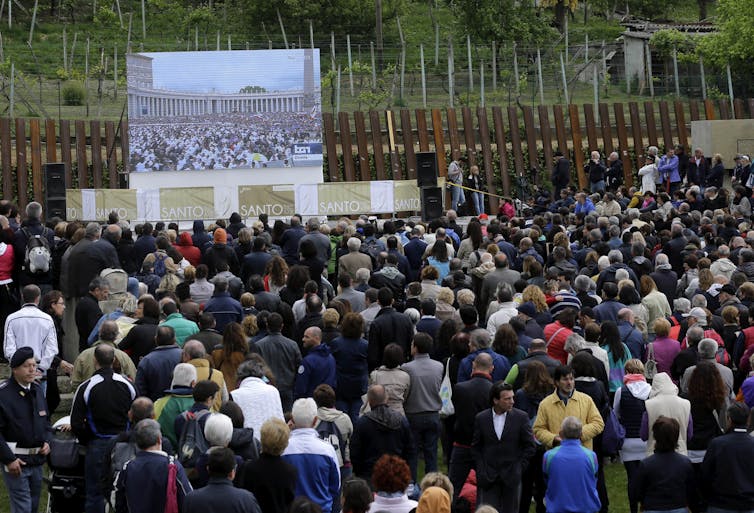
329	432
722	356
372	248
120	454
38	257
192	443
159	264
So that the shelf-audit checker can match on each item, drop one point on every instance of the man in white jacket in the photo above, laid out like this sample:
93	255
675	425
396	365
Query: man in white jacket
649	174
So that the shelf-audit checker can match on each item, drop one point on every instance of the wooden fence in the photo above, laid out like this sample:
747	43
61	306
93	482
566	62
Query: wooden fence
385	147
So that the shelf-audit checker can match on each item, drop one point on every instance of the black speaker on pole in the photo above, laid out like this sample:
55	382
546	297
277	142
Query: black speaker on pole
54	177
426	169
431	198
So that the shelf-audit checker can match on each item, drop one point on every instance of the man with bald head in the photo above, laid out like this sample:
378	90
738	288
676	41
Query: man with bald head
469	398
317	367
502	274
195	354
377	432
630	334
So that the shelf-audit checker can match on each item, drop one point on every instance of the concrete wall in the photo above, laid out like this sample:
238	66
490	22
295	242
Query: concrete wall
726	137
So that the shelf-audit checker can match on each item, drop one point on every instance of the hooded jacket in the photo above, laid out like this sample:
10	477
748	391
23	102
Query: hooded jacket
200	236
664	400
185	247
380	431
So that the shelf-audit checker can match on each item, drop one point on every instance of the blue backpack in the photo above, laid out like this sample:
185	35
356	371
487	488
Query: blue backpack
159	263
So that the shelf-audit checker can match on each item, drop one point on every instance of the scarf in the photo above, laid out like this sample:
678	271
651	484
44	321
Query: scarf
633	378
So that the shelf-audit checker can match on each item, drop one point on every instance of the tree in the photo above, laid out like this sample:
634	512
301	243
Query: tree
561	7
731	43
502	21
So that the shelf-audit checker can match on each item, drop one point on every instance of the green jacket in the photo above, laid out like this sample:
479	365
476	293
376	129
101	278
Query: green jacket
182	326
168	407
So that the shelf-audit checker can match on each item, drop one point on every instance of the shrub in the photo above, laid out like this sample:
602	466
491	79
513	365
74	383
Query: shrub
74	93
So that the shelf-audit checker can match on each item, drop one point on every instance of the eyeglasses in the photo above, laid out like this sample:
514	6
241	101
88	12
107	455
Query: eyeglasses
61	302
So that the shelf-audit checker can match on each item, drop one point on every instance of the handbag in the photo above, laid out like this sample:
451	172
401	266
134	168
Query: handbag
446	394
613	435
650	368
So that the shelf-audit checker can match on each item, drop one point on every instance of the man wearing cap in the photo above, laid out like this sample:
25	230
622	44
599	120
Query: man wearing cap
727	297
219	252
31	327
698	317
527	312
25	432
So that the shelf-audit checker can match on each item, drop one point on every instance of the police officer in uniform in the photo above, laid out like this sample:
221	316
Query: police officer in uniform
25	432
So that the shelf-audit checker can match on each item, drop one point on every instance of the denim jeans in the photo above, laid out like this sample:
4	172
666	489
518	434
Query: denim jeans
350	407
425	428
713	509
597	186
93	470
24	491
457	197
478	198
677	510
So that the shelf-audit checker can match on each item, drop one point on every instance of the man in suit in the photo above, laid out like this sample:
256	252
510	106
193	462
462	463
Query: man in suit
503	444
469	398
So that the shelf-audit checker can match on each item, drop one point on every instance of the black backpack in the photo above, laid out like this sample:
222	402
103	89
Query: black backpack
330	433
192	443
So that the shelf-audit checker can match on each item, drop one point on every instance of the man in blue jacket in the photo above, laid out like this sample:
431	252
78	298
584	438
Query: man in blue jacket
315	459
219	496
143	483
570	472
317	367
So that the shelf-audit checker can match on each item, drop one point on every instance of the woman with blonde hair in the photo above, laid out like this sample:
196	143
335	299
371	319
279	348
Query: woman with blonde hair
629	407
444	304
535	295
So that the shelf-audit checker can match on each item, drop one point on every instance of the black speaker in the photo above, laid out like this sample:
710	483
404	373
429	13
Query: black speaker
55	208
431	198
426	169
54	177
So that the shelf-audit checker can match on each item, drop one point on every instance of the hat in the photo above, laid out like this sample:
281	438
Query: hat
746	157
220	236
737	157
728	289
699	314
567	300
483	217
527	308
20	356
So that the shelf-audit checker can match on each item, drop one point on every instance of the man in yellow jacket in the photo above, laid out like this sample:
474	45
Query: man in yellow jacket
195	354
564	402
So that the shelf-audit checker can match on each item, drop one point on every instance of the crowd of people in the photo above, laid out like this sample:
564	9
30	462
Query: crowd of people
218	141
308	366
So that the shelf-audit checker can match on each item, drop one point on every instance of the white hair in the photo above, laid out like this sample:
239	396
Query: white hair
353	244
304	412
218	430
603	263
183	375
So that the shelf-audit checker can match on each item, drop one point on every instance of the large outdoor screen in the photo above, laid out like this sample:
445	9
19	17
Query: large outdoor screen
196	111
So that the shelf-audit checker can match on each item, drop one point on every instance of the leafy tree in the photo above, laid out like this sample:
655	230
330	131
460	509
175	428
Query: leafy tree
502	21
731	43
561	8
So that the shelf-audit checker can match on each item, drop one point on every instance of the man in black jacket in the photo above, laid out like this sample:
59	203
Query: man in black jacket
503	445
561	173
726	479
32	227
99	413
538	353
379	431
389	326
469	398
